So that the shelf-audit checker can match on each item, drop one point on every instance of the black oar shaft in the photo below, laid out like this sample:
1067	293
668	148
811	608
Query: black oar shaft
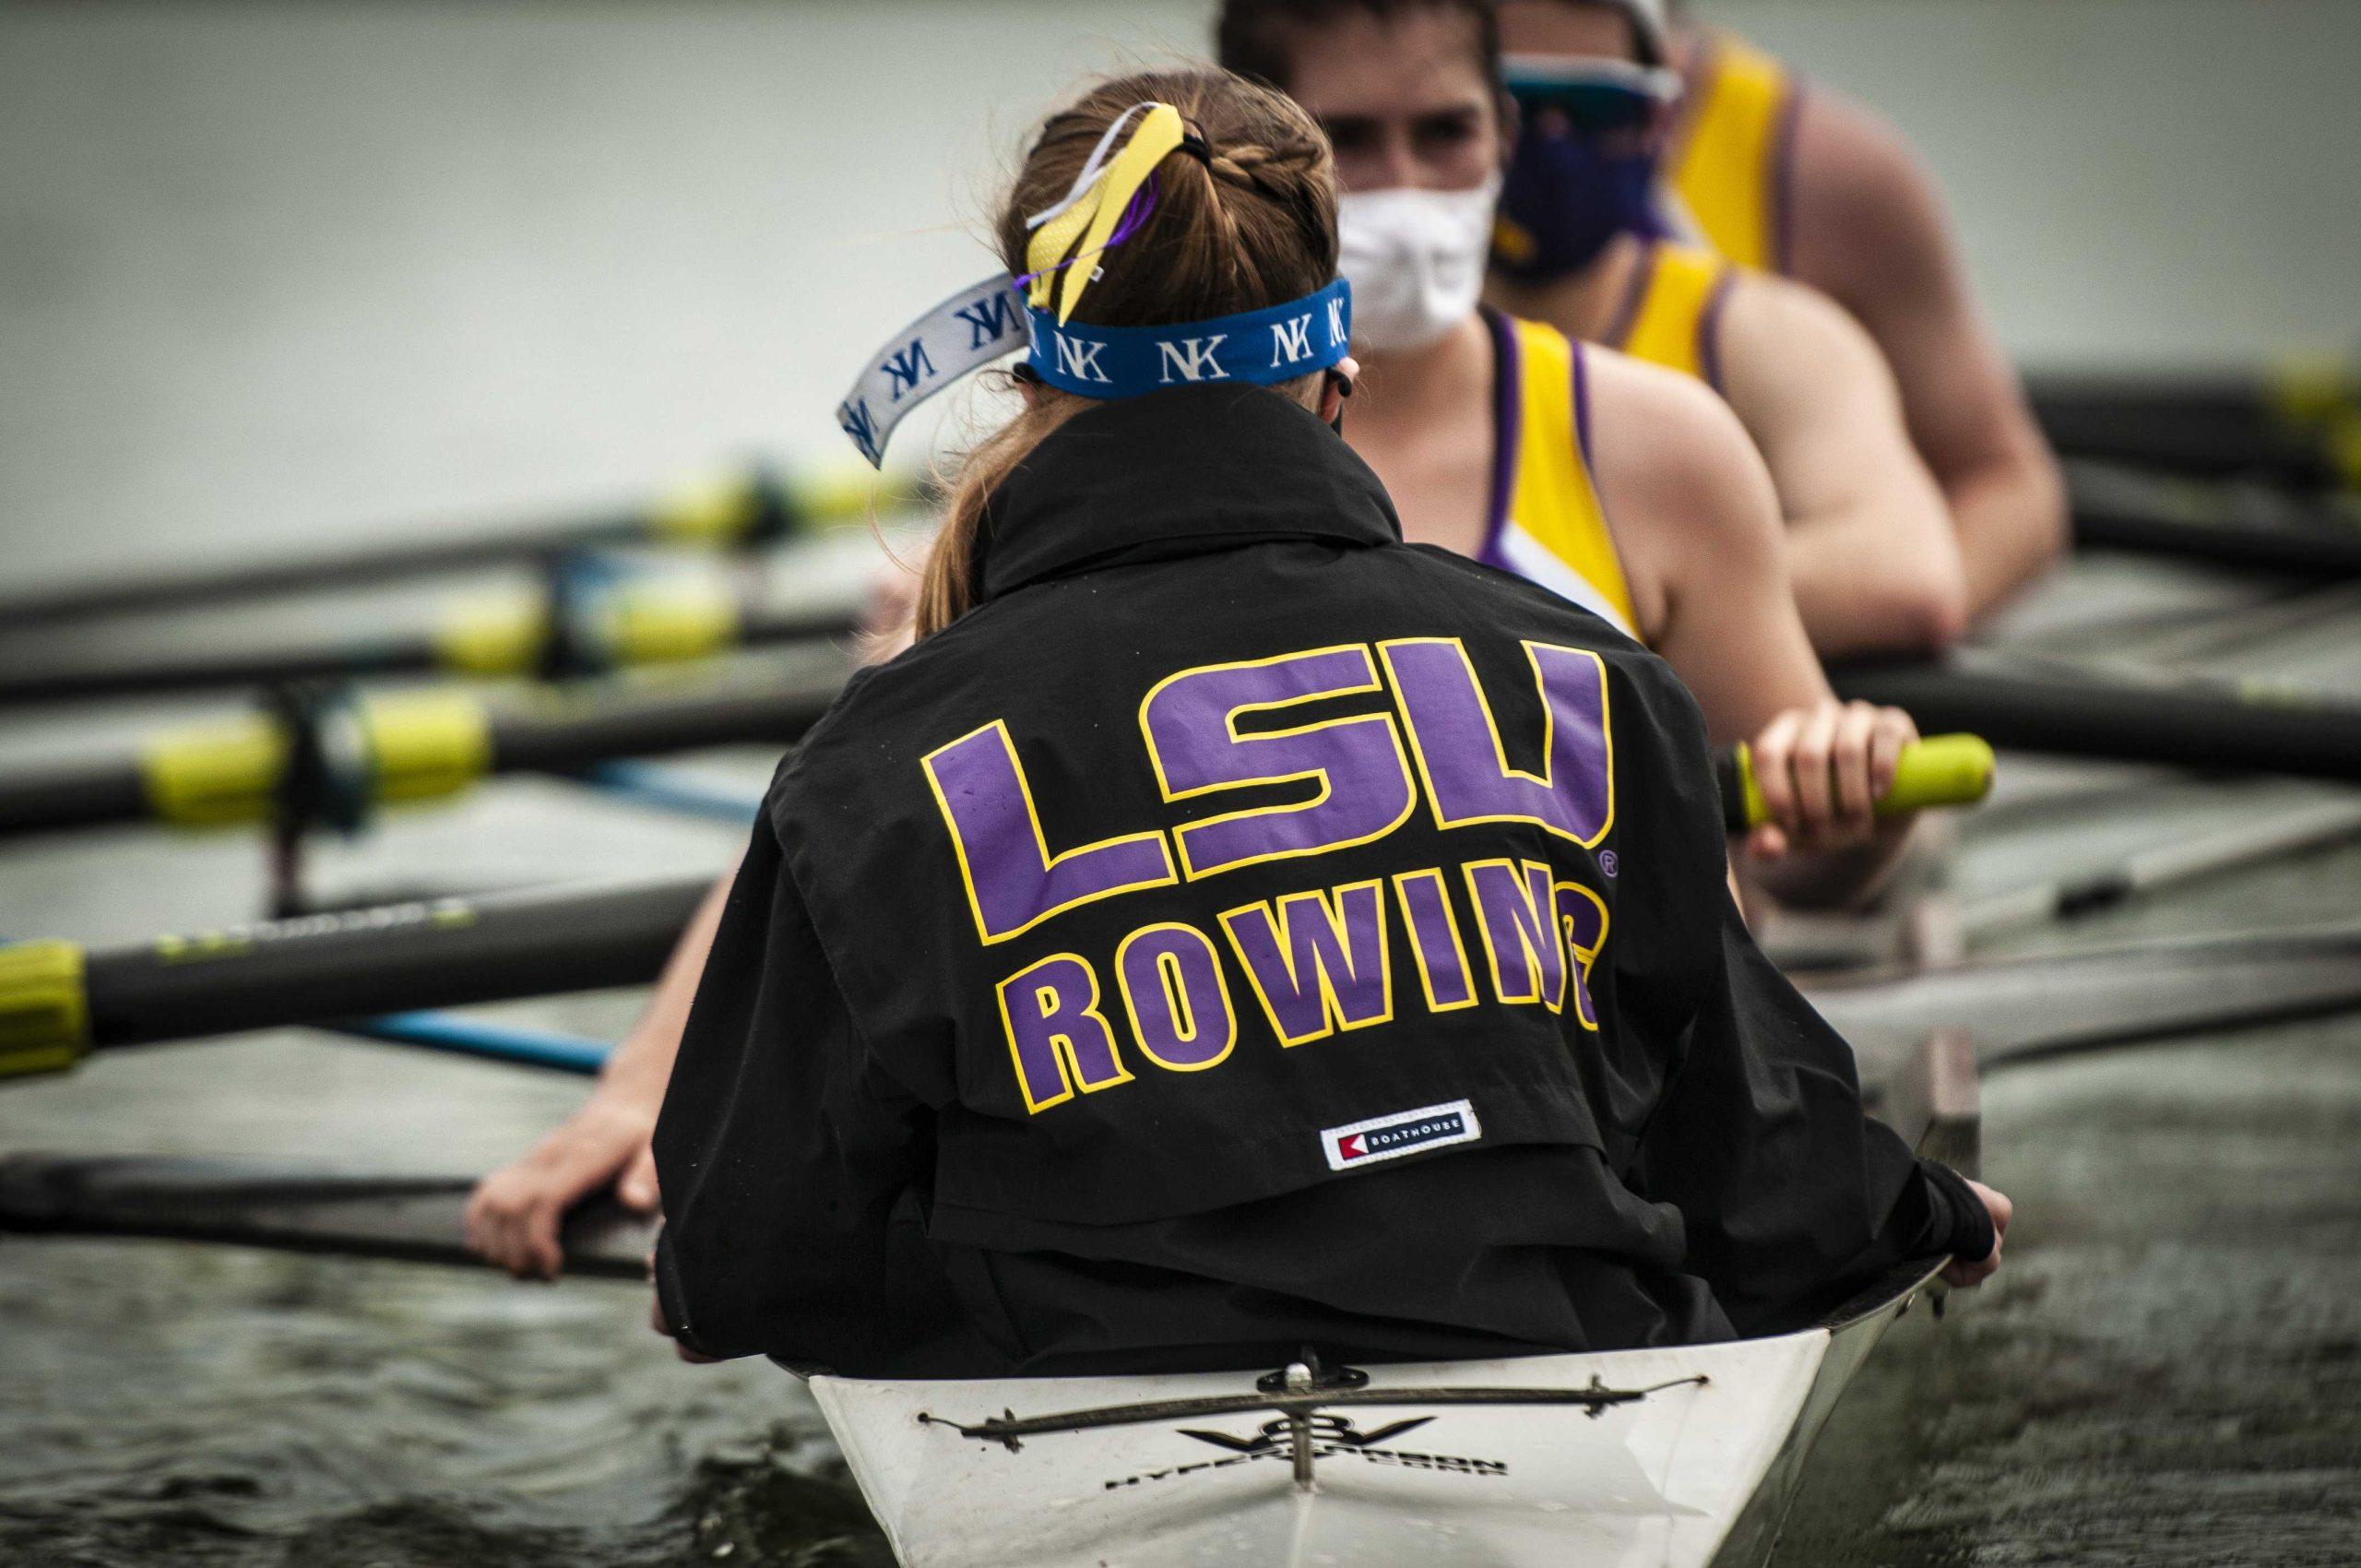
2184	725
446	953
26	680
384	563
2120	509
229	773
566	743
50	797
754	509
415	1219
536	646
2208	425
2255	545
2019	1009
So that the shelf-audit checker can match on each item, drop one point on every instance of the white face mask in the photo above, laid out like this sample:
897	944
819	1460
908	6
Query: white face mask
1416	260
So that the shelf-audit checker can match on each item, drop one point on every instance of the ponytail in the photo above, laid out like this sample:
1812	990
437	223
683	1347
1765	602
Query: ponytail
1243	218
947	584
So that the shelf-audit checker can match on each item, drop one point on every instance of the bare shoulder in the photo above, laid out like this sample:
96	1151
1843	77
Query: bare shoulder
1671	460
1764	309
1869	216
1783	337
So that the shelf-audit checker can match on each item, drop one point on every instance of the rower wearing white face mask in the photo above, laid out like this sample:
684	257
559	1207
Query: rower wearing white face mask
1417	259
1628	489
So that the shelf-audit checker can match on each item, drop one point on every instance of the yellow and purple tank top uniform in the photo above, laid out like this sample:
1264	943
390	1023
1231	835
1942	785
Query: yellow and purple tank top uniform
1671	312
1547	523
1732	149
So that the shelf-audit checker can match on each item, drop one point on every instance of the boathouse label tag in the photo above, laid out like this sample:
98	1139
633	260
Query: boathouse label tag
1404	1131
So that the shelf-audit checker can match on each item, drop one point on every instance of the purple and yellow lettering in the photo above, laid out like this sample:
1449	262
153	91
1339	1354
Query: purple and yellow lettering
1175	995
1057	1036
1582	915
1516	915
1014	883
1434	940
1363	777
1319	964
1458	743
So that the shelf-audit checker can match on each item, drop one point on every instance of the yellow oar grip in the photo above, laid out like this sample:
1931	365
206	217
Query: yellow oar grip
2323	394
426	744
720	513
2342	440
2312	389
710	514
1941	770
417	746
662	625
497	636
44	1008
852	491
215	774
633	625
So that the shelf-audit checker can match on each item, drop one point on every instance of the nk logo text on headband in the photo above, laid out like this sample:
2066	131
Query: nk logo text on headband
1109	202
980	324
985	321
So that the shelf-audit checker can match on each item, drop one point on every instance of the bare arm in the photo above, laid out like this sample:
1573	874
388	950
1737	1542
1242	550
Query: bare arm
1698	531
1870	232
513	1218
1870	542
1697	524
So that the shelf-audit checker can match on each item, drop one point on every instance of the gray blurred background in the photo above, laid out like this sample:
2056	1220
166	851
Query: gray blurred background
268	271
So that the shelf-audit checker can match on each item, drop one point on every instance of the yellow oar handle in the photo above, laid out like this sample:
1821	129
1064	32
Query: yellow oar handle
635	624
1941	770
44	1008
414	745
760	508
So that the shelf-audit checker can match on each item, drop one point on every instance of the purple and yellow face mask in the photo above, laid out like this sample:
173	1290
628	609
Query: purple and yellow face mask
1584	166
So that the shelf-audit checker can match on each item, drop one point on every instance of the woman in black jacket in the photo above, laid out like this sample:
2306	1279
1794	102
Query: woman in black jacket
1229	929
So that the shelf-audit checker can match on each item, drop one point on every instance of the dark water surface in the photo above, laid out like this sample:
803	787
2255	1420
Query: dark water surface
2168	1370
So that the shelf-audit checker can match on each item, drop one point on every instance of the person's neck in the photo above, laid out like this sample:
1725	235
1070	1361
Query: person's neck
1586	304
1403	386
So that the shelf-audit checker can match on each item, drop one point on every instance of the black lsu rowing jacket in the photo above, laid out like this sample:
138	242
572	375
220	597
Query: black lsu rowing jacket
1243	930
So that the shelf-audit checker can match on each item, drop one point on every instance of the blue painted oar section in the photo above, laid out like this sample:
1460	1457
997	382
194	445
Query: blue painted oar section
489	1042
666	791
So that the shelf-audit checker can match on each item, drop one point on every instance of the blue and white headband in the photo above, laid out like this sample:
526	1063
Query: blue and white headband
1107	204
985	321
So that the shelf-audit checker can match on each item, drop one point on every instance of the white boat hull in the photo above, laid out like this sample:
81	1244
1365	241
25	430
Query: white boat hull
1696	1473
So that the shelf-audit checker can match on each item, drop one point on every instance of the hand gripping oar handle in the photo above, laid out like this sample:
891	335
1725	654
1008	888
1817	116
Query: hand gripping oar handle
290	1208
1941	770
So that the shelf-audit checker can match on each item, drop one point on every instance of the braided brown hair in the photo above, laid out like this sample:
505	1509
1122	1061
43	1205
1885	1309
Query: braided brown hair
1245	217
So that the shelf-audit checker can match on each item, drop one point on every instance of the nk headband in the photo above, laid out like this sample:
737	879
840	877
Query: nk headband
1106	205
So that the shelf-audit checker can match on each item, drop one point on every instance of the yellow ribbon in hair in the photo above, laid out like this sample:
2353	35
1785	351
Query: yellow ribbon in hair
1097	211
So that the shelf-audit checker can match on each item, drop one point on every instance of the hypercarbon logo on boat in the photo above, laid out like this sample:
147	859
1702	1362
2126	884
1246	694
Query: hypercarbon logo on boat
1332	1437
1404	1131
